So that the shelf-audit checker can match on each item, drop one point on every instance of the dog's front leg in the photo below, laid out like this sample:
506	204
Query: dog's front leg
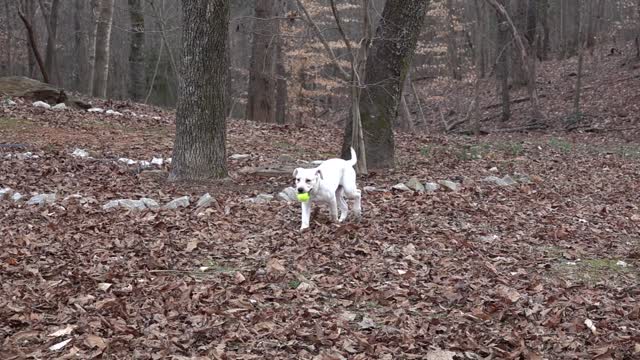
306	214
333	208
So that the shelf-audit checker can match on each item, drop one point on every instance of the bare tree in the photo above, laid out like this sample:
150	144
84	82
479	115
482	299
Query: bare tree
137	76
103	45
32	39
452	48
387	66
502	67
50	14
199	151
261	105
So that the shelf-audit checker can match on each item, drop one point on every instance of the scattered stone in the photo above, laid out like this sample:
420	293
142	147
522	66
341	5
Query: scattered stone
96	110
5	192
9	102
80	153
128	204
523	178
168	161
317	162
156	118
415	184
239	156
144	164
150	203
505	181
41	104
369	189
366	323
177	203
289	194
261	198
112	112
128	161
489	238
16	197
67	198
42	199
400	187
22	156
286	159
61	106
622	263
449	185
157	161
431	187
205	201
494	169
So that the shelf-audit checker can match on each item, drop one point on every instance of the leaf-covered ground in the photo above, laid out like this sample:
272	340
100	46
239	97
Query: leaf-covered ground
487	272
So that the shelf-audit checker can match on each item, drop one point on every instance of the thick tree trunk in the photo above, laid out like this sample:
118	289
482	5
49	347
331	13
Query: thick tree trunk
29	11
386	67
7	18
137	74
502	64
103	44
91	51
261	104
199	151
79	46
518	69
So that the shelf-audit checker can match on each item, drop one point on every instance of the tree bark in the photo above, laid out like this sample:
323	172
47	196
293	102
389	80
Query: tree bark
386	67
261	104
281	84
199	151
518	69
103	44
91	51
51	20
545	43
502	64
79	46
137	74
452	48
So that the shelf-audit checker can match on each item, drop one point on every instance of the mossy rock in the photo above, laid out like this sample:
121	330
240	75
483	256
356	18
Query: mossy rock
34	90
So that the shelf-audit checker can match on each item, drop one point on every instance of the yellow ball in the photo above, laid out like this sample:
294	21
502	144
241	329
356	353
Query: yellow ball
303	197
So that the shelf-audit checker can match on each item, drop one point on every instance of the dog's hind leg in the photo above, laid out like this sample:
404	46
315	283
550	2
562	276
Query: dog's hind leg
356	195
333	208
342	204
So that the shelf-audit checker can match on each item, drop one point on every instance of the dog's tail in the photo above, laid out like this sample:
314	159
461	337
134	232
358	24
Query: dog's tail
353	159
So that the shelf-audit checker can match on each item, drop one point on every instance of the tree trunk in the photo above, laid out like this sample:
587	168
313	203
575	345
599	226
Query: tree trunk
32	43
51	19
7	18
479	39
137	74
452	48
79	46
545	43
199	152
29	11
103	44
518	69
261	104
387	66
91	51
281	84
576	101
502	64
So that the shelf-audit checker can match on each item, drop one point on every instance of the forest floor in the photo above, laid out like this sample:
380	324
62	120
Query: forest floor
543	269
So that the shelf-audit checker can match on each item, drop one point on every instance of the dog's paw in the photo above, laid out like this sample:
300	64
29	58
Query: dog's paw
303	228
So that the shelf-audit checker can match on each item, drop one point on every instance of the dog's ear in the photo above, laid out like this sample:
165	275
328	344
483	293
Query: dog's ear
319	173
295	172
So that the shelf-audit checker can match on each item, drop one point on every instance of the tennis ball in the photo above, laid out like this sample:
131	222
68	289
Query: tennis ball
303	197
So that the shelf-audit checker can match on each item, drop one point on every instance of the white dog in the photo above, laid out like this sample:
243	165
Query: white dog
330	182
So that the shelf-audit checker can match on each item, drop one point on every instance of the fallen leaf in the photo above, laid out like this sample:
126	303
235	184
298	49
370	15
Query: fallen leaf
94	341
191	245
59	345
62	332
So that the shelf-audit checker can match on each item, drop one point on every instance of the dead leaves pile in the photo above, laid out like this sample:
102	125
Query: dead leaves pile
481	273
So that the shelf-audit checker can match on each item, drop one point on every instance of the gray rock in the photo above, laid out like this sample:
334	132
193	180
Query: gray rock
16	197
262	198
96	110
415	184
80	153
239	156
60	106
431	187
150	203
41	104
42	199
449	185
289	194
369	189
505	181
177	203
5	192
523	178
494	169
157	161
112	112
128	204
400	187
205	201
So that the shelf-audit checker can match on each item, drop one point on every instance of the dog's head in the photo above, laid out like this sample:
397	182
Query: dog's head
306	179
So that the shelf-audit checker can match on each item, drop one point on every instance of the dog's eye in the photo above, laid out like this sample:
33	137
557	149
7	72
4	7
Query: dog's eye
298	179
308	181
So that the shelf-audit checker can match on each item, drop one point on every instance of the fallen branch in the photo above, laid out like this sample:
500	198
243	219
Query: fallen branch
514	101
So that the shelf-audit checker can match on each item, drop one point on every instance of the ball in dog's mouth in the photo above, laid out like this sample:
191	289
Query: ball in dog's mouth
303	197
